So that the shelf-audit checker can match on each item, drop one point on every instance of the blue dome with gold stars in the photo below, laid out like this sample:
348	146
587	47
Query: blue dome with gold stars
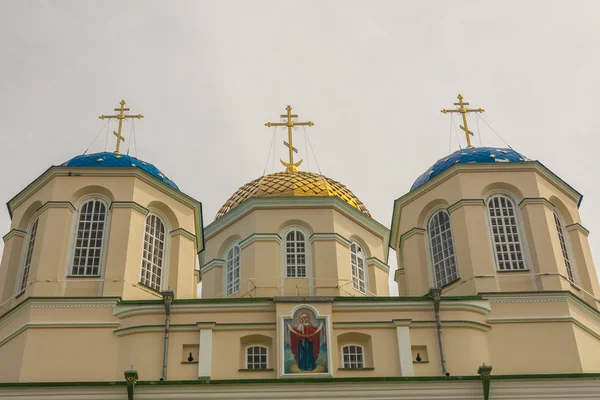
115	160
469	155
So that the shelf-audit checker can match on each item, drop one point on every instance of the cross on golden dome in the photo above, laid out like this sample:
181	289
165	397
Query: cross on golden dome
121	116
463	111
290	123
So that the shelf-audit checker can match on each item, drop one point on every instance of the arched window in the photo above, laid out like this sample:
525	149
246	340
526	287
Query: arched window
505	233
89	239
22	279
353	356
256	357
563	247
153	256
357	264
233	270
441	245
295	254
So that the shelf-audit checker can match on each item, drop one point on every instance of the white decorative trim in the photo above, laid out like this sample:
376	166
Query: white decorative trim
260	237
205	353
404	351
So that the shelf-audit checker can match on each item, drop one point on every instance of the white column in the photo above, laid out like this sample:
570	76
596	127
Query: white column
205	352
404	350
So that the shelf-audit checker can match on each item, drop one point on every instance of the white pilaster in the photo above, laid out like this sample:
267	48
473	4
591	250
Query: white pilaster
404	350
205	353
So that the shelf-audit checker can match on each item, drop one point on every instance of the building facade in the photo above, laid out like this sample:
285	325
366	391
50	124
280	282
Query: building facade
497	291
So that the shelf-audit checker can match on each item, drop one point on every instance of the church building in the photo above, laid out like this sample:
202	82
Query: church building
498	296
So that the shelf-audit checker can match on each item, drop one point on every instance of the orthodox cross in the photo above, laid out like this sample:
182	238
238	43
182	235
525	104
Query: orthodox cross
463	111
121	116
291	166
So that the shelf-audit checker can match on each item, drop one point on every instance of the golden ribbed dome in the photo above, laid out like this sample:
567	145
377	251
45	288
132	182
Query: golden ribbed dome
298	183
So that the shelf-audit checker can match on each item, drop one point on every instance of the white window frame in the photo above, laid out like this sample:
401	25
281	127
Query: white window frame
520	231
430	256
307	253
164	278
565	247
261	346
356	281
232	247
362	355
75	230
24	267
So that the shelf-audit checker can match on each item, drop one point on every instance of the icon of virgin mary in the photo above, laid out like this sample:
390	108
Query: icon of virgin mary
305	340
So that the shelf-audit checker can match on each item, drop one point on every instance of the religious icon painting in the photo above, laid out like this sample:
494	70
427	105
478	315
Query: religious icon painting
305	348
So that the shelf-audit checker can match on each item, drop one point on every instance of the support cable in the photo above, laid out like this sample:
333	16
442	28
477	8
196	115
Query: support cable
86	150
271	145
313	151
497	134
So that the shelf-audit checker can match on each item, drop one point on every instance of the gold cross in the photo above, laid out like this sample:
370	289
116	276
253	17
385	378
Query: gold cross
463	111
121	117
291	166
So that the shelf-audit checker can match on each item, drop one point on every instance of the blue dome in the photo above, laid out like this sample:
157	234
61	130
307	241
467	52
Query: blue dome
107	159
472	155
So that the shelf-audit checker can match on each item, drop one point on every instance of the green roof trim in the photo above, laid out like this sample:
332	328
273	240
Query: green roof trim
305	380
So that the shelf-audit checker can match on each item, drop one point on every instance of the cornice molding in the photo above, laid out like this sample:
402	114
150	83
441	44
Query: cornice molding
477	167
128	310
297	202
535	200
129	204
56	302
477	306
527	320
409	233
13	232
378	263
55	204
215	262
62	325
577	226
508	387
184	233
256	237
55	171
465	202
331	236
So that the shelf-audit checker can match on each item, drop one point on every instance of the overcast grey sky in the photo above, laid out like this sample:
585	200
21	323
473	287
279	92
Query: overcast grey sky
372	75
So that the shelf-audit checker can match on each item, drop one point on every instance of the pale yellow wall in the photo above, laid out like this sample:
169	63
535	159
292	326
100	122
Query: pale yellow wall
330	271
71	341
473	240
123	239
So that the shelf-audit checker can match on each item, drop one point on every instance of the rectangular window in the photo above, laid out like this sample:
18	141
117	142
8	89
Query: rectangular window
256	357
353	357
